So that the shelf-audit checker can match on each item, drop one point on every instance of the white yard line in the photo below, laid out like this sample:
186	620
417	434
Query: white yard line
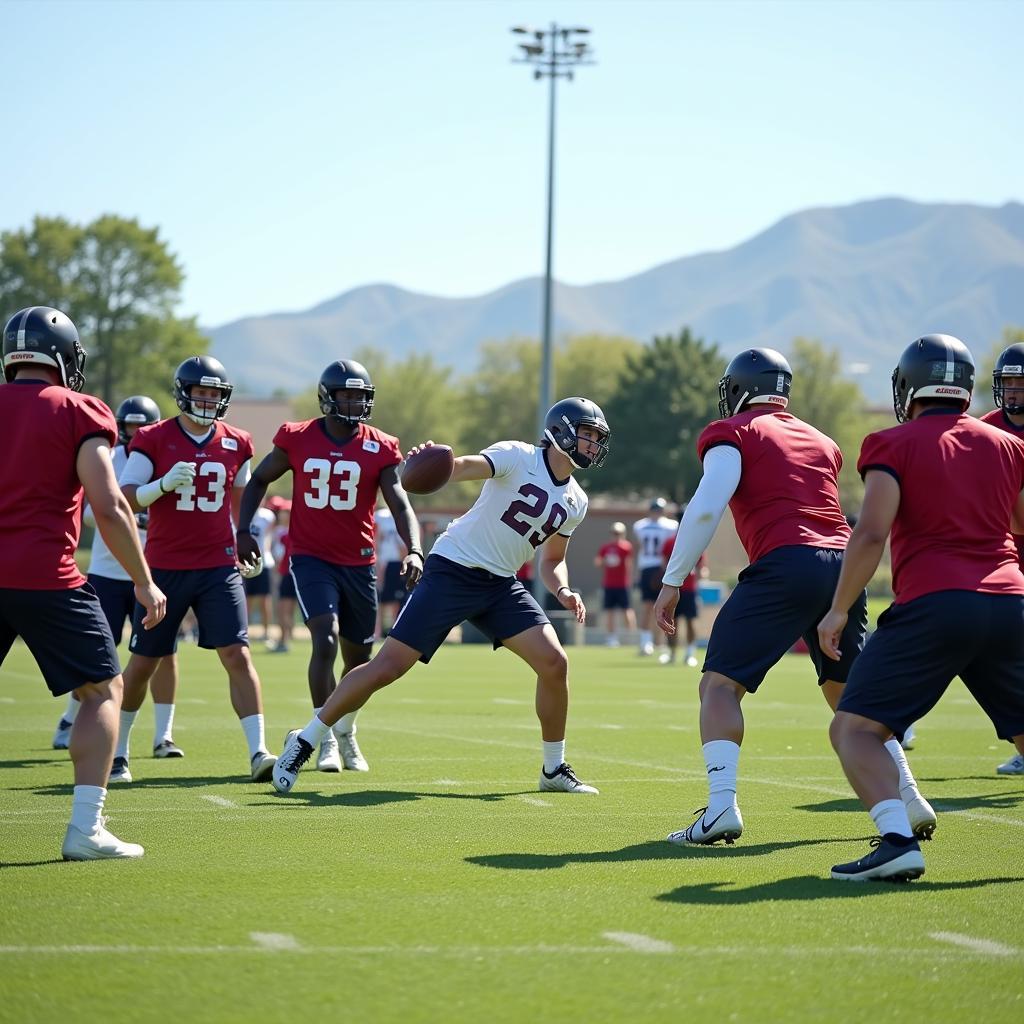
220	801
275	941
640	943
534	801
985	946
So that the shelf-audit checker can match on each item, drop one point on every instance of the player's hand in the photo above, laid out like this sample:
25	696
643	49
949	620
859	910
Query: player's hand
142	519
665	609
251	569
572	602
180	474
412	569
246	548
830	629
418	448
151	597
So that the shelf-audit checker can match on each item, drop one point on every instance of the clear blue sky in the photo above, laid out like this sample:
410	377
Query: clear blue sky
291	151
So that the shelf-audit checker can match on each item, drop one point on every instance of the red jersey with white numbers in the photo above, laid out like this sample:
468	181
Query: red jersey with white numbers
615	556
998	419
788	493
959	481
191	528
40	493
334	489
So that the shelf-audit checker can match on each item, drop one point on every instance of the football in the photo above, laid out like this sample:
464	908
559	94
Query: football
428	470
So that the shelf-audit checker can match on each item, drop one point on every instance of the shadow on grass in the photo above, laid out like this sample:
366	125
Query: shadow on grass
58	757
29	863
652	851
810	887
163	782
978	801
375	798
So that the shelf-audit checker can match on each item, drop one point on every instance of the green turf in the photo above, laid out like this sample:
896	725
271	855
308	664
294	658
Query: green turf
443	887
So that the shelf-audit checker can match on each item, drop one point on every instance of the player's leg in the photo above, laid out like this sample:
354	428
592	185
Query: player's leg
344	730
164	686
137	674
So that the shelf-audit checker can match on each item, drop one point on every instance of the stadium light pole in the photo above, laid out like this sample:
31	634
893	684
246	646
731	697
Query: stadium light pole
553	53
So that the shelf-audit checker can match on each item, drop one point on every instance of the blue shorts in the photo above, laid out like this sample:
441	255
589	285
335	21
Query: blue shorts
66	632
117	599
215	595
650	582
258	586
920	646
615	597
393	589
449	593
348	592
286	588
687	606
779	599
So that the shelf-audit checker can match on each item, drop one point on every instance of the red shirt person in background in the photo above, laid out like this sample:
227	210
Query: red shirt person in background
688	608
616	560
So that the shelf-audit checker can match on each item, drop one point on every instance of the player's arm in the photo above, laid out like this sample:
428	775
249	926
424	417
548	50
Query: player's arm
116	523
1017	523
862	555
472	467
272	468
139	487
406	524
555	575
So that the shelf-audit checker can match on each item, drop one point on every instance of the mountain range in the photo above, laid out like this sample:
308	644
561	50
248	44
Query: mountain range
866	278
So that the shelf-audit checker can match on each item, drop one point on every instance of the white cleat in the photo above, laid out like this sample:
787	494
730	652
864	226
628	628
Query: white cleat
1015	766
563	780
329	759
726	825
261	765
691	661
665	658
907	743
98	845
351	755
119	771
646	650
62	737
921	815
295	754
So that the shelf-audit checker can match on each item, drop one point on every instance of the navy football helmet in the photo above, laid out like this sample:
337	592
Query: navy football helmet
204	372
934	366
658	505
346	375
562	424
759	376
1009	364
46	336
137	411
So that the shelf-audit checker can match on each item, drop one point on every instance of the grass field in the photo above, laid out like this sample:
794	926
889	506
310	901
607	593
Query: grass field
442	887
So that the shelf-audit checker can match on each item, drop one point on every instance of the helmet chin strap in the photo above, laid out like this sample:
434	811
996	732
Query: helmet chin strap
203	419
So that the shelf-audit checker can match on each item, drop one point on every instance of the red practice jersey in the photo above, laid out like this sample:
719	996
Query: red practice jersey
615	557
690	583
998	419
334	489
40	493
788	492
959	480
191	528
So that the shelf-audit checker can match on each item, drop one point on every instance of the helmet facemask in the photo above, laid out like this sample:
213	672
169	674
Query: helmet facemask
567	440
200	409
1009	377
348	409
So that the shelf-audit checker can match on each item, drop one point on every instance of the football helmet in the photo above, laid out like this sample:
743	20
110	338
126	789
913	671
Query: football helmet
203	372
759	376
43	335
658	505
1009	364
346	375
136	411
934	366
562	424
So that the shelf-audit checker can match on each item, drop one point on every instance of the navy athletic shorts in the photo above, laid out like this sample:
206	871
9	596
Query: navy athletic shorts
286	588
920	646
779	599
687	606
215	595
393	590
650	582
258	586
117	599
348	592
66	632
615	597
449	593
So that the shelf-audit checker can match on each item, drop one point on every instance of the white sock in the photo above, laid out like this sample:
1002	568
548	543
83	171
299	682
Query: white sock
124	732
891	816
71	711
554	754
646	637
164	717
252	726
315	731
86	808
908	786
346	725
721	757
691	651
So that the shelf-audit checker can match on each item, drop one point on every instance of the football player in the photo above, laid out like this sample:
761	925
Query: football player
529	499
390	552
651	533
338	464
59	444
779	476
958	589
615	560
188	473
116	592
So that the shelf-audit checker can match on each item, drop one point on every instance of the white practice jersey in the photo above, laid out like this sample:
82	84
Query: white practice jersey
101	561
651	535
518	509
385	535
261	528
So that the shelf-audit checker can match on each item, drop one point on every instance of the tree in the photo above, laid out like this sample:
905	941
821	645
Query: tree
119	283
666	394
